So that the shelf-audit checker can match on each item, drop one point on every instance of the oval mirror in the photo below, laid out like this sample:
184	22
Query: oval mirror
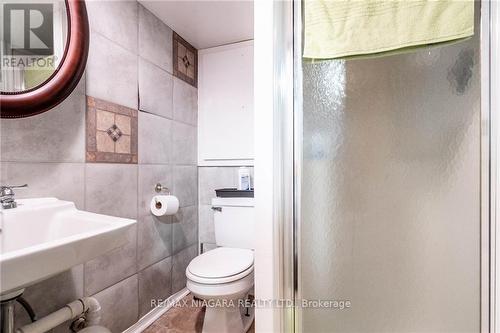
43	53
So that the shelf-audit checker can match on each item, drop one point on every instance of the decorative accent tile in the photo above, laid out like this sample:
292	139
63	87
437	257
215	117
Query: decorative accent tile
185	61
104	120
111	132
104	142
114	132
123	123
123	145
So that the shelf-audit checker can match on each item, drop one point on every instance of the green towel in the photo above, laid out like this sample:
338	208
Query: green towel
343	28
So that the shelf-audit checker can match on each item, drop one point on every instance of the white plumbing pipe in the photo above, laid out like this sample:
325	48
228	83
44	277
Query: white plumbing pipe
69	312
93	316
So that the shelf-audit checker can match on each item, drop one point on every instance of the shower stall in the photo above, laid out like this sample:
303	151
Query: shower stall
391	175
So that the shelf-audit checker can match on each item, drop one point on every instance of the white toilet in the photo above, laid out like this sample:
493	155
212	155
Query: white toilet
223	277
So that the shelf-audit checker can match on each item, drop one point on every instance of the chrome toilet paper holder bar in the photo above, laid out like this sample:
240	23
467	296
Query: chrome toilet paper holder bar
159	188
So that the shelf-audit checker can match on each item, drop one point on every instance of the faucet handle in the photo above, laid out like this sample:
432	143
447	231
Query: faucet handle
7	189
4	187
14	186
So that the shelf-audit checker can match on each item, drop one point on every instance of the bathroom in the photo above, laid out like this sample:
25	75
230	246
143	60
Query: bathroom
223	166
161	113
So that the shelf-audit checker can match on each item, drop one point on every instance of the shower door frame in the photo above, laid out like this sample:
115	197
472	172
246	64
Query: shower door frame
288	163
492	75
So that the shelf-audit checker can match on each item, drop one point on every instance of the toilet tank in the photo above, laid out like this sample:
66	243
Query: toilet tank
234	222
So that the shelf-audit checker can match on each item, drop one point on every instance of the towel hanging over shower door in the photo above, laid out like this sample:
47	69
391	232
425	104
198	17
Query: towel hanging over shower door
347	28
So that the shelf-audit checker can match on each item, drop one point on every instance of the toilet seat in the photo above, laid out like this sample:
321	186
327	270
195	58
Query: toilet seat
221	265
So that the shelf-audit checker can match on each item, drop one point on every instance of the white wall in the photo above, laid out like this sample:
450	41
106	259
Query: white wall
225	104
266	262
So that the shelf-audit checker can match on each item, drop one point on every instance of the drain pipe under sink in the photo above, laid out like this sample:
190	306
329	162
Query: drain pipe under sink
87	306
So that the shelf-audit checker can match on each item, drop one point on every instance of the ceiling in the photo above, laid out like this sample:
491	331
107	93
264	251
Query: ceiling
206	23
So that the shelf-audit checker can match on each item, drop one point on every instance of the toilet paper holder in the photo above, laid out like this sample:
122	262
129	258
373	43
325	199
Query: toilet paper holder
159	188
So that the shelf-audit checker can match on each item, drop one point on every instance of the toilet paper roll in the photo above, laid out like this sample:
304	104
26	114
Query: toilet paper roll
162	205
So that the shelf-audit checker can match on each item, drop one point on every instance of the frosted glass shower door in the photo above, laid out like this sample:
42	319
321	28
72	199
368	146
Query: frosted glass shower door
390	192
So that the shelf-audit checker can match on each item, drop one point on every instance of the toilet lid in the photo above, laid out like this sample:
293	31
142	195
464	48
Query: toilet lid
221	262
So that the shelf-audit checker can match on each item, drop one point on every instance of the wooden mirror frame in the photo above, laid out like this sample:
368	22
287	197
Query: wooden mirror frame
64	79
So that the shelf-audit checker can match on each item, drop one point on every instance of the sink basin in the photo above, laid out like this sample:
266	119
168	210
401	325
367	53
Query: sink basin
46	236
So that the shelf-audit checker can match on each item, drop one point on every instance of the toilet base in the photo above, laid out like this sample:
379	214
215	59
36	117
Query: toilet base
227	320
225	308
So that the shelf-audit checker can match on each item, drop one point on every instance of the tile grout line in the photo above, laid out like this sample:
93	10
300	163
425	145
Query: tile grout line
42	162
156	65
172	242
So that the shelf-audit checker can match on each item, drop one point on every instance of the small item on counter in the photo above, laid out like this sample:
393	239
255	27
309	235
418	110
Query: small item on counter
243	179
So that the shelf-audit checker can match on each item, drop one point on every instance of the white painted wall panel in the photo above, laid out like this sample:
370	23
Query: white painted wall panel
225	105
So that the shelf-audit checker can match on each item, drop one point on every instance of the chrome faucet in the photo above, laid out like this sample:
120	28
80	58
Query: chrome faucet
7	199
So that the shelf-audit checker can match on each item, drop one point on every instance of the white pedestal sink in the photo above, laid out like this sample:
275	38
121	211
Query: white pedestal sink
43	237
